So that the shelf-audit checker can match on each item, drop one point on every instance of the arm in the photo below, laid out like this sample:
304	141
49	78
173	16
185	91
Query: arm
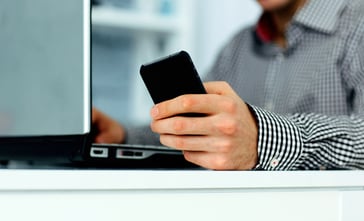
229	137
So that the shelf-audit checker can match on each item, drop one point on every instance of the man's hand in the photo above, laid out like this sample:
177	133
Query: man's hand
224	139
107	129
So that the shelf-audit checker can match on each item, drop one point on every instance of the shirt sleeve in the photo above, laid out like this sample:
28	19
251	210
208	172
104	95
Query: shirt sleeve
309	141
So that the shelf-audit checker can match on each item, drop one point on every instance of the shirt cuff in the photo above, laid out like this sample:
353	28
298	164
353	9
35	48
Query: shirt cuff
279	141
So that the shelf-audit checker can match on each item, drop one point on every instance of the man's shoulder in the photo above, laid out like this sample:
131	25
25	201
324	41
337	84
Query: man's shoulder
357	5
243	36
353	19
246	31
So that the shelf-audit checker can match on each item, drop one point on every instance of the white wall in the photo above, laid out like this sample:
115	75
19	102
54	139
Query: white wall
216	22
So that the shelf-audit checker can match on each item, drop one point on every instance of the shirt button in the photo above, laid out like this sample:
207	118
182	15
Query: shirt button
274	163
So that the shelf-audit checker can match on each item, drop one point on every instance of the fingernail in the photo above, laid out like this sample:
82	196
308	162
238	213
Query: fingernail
154	112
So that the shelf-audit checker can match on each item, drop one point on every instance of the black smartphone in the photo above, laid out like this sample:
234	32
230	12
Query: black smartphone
171	76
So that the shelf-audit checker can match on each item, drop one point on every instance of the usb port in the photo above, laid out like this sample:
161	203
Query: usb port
99	152
127	153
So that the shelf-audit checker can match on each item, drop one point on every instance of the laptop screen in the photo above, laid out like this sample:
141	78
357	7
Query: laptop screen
44	67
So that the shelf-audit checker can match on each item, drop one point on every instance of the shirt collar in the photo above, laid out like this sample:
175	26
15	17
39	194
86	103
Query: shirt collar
265	28
313	16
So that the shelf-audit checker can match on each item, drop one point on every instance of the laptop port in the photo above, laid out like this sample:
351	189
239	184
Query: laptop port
138	154
129	154
99	152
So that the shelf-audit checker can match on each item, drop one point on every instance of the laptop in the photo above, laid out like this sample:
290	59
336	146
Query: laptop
45	90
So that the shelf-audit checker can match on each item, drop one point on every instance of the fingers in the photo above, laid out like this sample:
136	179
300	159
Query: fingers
201	150
108	130
107	138
95	114
181	105
192	143
226	138
214	152
182	126
192	103
196	103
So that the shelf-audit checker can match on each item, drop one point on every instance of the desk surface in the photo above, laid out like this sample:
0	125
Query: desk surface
181	195
42	179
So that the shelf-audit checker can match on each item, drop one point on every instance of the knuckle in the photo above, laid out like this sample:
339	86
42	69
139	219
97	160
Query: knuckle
228	127
225	146
179	142
225	84
178	126
187	102
229	106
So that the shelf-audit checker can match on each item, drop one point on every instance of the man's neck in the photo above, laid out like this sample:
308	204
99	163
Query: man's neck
281	19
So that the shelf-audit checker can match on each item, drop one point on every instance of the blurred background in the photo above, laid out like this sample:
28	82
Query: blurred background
128	33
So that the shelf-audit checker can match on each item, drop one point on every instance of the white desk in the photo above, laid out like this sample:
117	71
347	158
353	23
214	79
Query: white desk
181	195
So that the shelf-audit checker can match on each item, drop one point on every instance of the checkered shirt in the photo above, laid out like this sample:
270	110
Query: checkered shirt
308	97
